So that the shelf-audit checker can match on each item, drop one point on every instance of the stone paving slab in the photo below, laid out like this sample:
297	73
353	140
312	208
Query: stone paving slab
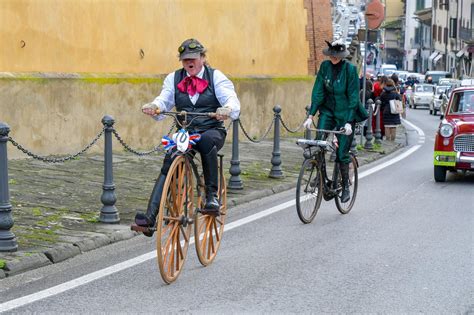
56	206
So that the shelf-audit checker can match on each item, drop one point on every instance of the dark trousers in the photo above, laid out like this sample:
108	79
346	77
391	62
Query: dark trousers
209	139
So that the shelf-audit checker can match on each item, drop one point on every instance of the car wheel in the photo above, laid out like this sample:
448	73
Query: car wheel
440	173
431	112
435	112
414	106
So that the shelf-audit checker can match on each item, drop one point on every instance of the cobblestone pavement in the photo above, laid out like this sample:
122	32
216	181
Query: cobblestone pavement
56	206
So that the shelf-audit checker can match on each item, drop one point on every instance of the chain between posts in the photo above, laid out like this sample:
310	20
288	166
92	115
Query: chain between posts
264	135
134	151
291	130
56	160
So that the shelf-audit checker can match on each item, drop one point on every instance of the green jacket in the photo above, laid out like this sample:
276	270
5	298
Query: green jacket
338	98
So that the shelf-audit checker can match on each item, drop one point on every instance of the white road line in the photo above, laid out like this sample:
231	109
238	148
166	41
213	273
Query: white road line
24	300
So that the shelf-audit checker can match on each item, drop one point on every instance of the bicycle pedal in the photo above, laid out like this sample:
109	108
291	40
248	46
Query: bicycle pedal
142	229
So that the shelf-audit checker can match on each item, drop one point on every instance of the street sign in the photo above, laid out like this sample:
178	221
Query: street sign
375	13
371	36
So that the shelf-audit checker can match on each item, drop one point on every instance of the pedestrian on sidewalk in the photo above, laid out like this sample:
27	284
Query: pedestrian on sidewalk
391	120
335	96
378	89
196	87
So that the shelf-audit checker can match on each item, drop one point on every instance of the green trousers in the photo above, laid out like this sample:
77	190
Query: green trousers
331	123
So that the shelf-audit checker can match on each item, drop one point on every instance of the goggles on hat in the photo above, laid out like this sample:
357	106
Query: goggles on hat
191	46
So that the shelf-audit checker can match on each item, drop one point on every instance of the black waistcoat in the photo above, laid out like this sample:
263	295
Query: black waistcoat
206	103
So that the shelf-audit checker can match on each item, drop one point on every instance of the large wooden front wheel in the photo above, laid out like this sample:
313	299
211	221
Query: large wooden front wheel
173	228
209	229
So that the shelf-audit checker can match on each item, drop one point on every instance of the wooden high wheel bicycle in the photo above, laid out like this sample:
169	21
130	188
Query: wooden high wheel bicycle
181	205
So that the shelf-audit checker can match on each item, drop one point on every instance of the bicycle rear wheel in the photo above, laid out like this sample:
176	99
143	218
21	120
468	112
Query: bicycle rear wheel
173	226
209	229
353	183
309	190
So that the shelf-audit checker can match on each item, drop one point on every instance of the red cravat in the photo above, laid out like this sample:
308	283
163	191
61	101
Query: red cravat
191	85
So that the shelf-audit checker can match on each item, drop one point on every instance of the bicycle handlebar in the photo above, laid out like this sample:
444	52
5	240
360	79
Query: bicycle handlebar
185	113
342	131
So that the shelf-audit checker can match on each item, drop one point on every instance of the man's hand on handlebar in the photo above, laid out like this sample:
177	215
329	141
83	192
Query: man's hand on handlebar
222	113
308	122
151	109
347	129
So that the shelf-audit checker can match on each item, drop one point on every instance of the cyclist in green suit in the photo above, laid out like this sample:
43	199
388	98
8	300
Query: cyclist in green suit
336	97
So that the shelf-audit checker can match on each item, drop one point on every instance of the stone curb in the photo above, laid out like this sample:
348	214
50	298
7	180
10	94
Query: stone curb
26	263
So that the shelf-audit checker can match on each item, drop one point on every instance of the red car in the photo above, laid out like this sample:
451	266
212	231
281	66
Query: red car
454	142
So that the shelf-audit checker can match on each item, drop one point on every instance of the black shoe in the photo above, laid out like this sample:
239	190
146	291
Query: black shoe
141	219
346	195
211	202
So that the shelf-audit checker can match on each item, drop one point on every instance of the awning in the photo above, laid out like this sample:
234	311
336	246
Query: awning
433	55
437	58
460	53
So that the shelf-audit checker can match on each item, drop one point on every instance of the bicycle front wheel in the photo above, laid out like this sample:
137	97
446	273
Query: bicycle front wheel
345	207
173	226
309	190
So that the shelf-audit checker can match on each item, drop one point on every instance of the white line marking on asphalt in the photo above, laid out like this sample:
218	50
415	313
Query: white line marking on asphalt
12	304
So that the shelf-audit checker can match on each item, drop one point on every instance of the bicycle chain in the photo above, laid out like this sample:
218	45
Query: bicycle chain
55	160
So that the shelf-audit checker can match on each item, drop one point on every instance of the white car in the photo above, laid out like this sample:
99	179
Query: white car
422	95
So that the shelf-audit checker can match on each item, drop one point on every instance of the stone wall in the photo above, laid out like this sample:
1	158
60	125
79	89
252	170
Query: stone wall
50	114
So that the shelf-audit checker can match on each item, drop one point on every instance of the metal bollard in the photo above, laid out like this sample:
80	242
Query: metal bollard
368	136
235	182
276	171
8	241
378	133
108	213
307	132
353	148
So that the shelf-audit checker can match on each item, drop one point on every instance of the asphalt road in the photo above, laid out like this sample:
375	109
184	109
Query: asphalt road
406	247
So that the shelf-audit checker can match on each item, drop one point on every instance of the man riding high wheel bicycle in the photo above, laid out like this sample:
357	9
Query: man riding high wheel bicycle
194	88
335	96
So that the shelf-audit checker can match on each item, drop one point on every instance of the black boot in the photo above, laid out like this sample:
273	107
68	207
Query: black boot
346	194
210	170
148	219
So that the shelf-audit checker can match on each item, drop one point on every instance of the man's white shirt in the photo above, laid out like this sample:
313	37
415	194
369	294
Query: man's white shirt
223	87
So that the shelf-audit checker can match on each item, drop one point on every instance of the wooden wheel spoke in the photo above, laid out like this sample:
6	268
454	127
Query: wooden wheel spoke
179	252
165	250
186	239
210	248
167	227
215	230
205	238
220	222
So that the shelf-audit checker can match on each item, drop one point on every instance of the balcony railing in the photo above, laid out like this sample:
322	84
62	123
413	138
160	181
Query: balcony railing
466	34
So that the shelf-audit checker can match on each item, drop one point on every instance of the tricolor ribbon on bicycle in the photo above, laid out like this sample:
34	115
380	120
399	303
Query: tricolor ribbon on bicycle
180	140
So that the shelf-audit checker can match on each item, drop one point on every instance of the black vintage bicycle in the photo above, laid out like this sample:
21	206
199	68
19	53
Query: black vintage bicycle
182	202
314	181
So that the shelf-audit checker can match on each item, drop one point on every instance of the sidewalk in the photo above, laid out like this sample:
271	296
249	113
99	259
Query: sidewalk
56	206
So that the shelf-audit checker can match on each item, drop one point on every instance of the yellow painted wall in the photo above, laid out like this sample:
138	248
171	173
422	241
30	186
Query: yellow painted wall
243	37
393	9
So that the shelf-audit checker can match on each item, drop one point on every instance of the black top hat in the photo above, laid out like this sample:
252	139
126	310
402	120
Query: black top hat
336	49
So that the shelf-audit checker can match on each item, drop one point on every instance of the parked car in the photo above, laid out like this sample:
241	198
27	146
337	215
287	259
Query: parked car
422	95
454	141
435	104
